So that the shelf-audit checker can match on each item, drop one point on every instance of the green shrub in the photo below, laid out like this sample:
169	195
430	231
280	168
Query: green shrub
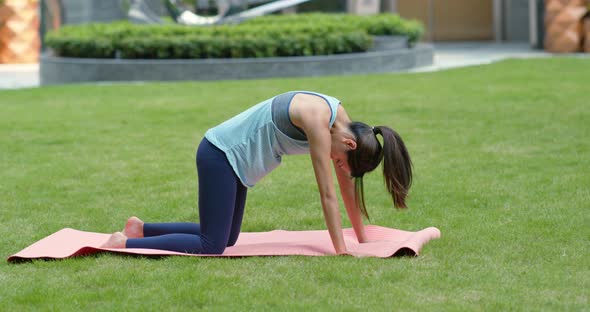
269	36
376	25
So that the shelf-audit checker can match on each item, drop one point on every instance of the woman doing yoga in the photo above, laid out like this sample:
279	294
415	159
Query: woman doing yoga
239	152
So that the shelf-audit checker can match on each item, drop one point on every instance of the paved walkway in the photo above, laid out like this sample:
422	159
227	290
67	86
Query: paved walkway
446	55
451	55
19	76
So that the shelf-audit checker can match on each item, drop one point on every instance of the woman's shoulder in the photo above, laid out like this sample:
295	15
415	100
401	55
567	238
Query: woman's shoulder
328	98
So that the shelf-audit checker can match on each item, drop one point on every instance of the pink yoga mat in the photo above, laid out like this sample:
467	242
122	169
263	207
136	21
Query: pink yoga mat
386	243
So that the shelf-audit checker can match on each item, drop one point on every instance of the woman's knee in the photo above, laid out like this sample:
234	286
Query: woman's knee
233	238
214	249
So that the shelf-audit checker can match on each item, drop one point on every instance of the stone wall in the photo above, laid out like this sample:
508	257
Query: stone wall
57	70
85	11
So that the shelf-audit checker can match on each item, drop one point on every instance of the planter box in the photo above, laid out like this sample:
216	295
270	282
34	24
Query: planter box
384	43
60	70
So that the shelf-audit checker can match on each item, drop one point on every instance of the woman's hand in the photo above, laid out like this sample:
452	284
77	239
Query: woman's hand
348	197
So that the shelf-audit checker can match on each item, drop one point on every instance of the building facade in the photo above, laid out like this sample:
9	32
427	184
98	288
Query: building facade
459	20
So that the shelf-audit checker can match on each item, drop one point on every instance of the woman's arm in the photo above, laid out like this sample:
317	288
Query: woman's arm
311	113
320	142
348	197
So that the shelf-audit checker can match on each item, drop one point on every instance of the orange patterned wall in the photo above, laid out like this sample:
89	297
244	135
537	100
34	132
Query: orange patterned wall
19	31
563	25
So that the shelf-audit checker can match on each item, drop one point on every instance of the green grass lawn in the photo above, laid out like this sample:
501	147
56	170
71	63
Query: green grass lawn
502	167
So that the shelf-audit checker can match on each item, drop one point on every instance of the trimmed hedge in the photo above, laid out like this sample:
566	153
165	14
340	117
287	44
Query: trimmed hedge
376	25
310	34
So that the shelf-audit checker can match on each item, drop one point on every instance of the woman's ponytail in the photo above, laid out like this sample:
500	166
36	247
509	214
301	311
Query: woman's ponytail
397	165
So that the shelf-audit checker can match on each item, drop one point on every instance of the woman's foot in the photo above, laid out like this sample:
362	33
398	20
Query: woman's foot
133	228
117	240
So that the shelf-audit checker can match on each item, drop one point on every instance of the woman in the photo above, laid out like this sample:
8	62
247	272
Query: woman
239	152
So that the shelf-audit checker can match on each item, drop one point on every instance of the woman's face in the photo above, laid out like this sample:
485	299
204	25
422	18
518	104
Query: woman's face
342	143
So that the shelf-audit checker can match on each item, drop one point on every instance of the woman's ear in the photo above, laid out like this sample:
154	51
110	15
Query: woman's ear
350	143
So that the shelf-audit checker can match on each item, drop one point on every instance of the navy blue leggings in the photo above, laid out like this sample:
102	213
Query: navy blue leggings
222	198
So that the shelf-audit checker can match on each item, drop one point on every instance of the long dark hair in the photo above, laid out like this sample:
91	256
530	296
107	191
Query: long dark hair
397	165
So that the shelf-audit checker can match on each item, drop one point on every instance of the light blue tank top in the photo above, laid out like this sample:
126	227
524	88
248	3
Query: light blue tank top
254	145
